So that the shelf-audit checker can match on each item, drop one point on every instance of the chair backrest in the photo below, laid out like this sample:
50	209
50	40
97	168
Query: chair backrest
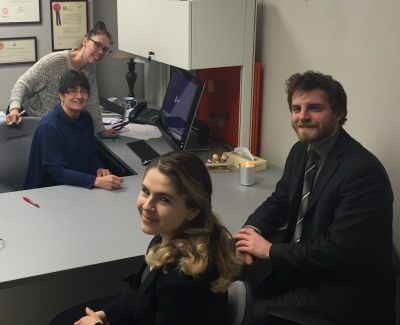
15	144
240	303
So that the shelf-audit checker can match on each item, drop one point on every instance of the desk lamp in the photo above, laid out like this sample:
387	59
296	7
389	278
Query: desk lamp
131	75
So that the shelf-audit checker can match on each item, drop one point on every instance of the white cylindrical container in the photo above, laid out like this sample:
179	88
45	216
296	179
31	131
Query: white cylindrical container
247	171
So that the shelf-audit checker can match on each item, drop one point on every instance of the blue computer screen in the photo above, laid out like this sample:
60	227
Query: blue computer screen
179	106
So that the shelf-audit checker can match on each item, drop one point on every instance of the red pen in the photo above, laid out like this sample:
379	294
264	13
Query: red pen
27	199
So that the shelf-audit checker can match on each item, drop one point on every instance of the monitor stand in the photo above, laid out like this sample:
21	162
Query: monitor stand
196	141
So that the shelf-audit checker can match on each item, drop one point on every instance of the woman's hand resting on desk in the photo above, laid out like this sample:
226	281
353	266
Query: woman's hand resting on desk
103	172
110	133
13	116
92	318
108	182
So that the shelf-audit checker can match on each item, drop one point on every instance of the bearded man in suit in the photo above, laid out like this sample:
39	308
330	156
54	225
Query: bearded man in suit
335	261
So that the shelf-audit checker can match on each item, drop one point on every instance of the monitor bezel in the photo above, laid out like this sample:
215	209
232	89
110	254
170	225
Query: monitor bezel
181	144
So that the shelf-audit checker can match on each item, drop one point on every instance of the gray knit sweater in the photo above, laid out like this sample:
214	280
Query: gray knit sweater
37	88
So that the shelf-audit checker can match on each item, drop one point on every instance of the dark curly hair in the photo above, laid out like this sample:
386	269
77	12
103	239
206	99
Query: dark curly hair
311	80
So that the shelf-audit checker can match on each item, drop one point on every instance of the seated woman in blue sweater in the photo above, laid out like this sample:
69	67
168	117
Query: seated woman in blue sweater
63	146
190	261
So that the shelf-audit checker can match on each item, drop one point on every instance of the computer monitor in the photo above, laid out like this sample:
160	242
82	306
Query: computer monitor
179	107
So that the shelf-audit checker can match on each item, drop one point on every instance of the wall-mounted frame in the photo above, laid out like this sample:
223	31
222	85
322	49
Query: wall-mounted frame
18	50
69	23
20	12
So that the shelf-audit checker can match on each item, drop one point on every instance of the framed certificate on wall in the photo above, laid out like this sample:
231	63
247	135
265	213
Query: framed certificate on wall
69	23
18	50
17	11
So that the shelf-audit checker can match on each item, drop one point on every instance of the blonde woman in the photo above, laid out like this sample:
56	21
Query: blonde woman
190	261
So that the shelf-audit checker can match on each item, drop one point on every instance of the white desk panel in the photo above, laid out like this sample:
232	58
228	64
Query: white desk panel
74	227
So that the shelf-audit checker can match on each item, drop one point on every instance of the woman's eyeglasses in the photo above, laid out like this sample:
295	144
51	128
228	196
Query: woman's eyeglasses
98	46
83	92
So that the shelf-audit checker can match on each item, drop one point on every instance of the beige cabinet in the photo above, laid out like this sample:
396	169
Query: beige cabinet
188	34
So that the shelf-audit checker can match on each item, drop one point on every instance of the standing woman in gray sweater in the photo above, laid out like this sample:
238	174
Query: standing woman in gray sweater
37	88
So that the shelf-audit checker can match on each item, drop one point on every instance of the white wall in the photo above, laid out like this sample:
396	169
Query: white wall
358	43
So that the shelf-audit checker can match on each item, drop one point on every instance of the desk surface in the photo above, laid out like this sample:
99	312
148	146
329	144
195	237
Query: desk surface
76	227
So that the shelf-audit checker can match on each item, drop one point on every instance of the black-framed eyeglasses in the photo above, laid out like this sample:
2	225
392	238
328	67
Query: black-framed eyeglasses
98	46
84	92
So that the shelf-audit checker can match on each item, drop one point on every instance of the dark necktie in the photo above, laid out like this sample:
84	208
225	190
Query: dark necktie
309	177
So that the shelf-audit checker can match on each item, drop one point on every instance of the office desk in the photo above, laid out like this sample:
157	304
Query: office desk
76	227
232	201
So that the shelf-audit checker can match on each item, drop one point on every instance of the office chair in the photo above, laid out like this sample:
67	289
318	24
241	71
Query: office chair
15	144
240	303
254	274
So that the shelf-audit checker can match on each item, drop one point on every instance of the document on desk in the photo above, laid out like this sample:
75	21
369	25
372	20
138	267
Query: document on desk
111	119
141	131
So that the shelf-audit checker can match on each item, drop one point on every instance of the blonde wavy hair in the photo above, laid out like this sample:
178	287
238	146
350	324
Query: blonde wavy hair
203	243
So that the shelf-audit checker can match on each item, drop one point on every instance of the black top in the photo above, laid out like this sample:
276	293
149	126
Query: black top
169	298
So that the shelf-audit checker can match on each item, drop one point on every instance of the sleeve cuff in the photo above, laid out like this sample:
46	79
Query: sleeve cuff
252	227
15	104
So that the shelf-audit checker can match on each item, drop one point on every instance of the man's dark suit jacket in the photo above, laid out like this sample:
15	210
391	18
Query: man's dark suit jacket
342	268
169	298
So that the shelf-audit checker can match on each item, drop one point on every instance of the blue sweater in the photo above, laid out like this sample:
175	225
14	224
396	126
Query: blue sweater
63	151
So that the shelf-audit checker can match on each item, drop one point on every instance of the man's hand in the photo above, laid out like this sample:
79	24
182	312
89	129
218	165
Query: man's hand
110	133
12	117
250	244
108	182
